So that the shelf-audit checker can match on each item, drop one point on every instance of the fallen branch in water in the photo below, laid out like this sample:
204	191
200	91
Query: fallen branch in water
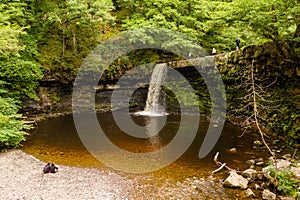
222	165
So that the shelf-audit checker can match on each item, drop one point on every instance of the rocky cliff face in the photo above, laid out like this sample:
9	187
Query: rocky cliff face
54	95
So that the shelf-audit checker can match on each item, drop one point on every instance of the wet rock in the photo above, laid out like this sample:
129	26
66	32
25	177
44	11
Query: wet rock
249	193
232	150
250	162
235	181
267	195
249	173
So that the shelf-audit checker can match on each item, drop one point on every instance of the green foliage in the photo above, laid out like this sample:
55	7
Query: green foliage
287	182
12	129
68	30
286	120
19	71
18	67
217	23
54	97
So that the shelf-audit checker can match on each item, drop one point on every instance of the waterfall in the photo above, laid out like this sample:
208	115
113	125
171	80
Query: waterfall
156	99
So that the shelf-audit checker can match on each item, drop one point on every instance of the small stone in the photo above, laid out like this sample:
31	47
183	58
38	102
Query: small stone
260	160
232	150
256	187
249	173
267	195
250	162
260	163
235	181
257	143
249	193
259	176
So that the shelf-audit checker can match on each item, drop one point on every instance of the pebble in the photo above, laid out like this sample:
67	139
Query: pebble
257	143
250	162
268	195
249	193
260	160
232	150
260	163
256	187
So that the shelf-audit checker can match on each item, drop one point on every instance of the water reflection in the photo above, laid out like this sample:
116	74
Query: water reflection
153	125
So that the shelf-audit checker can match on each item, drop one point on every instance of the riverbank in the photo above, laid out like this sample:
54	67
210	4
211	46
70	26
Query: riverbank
22	178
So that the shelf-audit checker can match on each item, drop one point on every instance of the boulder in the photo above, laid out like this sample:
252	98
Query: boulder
235	181
249	173
267	195
249	193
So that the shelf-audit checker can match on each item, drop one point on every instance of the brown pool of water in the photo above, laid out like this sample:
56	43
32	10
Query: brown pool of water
57	140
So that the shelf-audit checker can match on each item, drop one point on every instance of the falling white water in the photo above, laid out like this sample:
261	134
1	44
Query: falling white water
156	99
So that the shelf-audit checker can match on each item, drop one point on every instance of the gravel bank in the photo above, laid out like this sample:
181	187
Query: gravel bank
22	178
